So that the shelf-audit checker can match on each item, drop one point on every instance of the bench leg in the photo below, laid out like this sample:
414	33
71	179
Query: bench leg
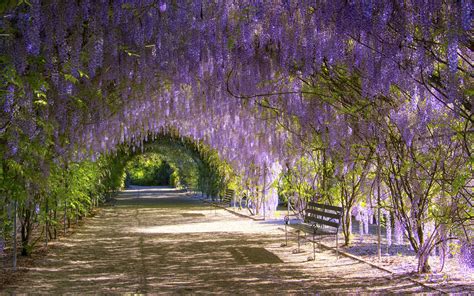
314	247
337	245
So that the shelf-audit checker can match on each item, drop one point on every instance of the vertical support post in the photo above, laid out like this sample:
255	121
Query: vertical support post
65	217
288	207
264	191
208	190
2	238
55	217
388	226
286	235
298	231
323	181
46	224
314	244
65	199
379	234
15	208
337	246
379	227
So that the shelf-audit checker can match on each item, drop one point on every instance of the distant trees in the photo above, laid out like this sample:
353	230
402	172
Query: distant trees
149	170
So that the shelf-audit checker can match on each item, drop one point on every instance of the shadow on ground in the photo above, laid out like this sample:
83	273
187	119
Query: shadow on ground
164	241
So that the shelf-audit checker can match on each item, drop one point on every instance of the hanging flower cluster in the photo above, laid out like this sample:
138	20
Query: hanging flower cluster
102	73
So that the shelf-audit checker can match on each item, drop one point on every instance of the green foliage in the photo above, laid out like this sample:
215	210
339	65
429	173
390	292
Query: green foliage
197	166
149	170
6	5
299	180
175	180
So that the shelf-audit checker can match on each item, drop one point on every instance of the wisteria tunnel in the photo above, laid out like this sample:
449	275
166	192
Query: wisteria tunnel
244	146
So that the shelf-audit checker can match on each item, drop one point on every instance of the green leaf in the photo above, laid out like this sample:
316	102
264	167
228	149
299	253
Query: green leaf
40	94
71	78
470	92
41	102
83	74
6	5
20	2
130	53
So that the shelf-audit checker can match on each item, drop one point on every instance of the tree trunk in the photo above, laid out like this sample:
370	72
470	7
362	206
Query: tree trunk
55	231
65	218
46	224
379	216
26	232
346	226
347	203
423	262
15	210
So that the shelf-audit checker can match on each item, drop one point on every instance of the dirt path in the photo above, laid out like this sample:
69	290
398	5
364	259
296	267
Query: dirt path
164	242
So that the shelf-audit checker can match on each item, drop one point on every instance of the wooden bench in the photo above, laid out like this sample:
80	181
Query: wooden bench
228	196
319	220
243	202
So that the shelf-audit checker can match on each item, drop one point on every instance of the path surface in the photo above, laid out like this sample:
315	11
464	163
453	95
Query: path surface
162	241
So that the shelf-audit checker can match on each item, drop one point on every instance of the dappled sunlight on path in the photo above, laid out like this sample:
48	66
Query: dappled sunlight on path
178	245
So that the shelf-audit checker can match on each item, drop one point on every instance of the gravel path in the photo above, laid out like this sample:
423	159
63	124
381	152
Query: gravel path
161	241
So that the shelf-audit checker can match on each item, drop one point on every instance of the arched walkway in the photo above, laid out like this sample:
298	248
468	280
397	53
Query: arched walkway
164	240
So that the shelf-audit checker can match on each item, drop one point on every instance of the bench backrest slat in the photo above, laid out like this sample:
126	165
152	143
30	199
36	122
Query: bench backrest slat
229	195
321	213
321	221
323	206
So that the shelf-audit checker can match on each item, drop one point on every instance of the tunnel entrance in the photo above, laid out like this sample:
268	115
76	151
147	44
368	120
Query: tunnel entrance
149	169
